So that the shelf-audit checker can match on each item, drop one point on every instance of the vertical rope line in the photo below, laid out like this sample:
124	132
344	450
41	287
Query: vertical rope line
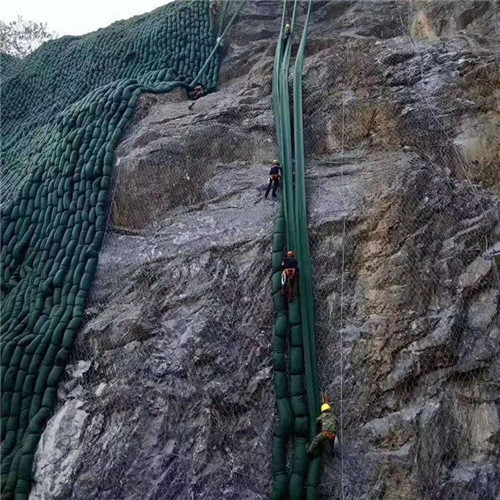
342	190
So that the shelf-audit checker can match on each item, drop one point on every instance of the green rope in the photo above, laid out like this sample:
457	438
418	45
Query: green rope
222	17
305	264
218	43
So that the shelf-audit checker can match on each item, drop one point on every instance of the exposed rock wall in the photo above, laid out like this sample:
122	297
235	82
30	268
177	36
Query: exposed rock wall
169	394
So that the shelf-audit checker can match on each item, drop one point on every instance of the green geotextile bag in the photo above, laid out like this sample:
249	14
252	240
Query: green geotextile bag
64	110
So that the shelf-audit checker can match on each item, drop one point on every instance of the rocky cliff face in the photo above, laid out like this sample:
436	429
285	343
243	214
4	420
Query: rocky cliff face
169	392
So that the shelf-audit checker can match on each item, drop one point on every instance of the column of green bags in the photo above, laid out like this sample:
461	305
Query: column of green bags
285	417
301	311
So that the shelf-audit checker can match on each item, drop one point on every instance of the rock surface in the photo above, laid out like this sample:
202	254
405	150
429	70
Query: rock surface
169	394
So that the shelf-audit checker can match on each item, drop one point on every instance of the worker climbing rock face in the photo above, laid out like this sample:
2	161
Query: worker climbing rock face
198	92
275	174
214	7
195	94
290	273
287	32
328	432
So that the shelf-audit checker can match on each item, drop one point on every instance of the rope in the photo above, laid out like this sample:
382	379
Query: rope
286	140
222	16
218	43
305	264
341	396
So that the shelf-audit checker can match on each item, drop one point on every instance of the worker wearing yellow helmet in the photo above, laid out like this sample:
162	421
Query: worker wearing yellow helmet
287	32
328	430
326	407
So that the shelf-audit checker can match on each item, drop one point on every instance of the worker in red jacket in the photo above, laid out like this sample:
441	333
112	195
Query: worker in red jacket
290	274
195	94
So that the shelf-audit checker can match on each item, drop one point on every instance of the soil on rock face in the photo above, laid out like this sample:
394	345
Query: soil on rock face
169	393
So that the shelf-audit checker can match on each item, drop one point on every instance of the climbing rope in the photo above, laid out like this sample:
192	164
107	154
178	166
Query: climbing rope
222	17
305	264
342	284
218	42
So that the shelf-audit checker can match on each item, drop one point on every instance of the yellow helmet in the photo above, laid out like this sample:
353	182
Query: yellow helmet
325	407
276	162
287	25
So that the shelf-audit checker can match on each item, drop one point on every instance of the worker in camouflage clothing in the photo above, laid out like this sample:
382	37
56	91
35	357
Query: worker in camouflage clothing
214	8
328	431
287	33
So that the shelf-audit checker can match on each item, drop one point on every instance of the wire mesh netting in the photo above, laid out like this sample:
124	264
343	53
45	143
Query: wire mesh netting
403	200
